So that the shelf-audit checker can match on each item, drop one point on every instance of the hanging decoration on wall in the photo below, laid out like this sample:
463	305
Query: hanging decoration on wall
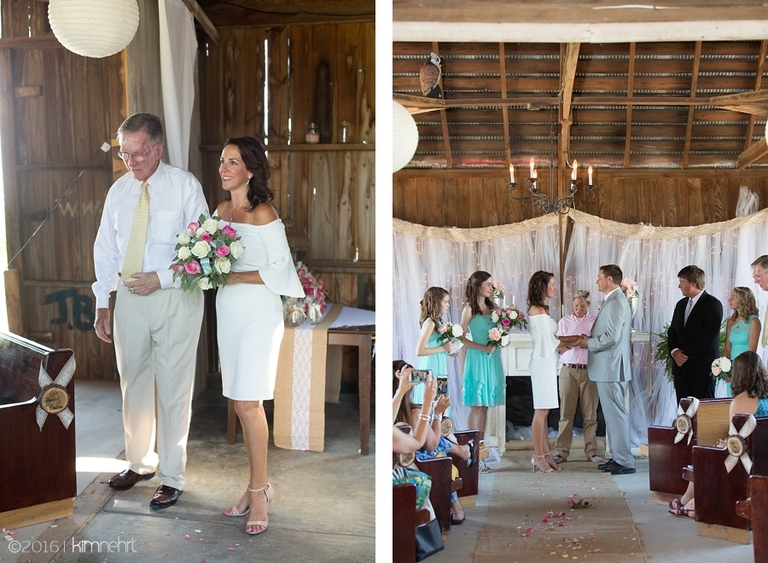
94	28
405	136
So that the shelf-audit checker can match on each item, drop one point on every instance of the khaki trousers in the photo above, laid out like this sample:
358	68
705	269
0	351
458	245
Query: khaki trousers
574	385
156	339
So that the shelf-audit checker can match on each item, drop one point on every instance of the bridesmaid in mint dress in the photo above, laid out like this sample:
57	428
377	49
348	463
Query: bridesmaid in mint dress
432	355
484	384
742	329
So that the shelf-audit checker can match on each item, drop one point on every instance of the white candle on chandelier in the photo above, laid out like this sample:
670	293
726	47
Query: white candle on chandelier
512	173
533	170
590	174
575	166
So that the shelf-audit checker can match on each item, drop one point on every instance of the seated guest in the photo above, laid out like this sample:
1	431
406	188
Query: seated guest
749	382
435	445
404	443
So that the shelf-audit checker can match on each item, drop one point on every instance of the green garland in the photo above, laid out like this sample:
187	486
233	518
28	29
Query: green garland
661	351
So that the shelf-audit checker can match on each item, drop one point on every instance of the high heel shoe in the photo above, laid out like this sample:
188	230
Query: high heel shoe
551	460
535	466
233	512
269	494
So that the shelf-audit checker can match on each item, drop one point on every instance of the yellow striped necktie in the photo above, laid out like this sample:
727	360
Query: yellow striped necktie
134	254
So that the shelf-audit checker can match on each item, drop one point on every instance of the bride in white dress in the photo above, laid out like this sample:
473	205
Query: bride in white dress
249	312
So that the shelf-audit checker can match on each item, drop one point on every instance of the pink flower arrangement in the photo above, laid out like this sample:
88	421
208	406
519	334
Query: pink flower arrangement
314	289
498	290
205	254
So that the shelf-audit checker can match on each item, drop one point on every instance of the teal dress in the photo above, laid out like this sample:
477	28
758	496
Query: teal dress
739	339
436	362
484	382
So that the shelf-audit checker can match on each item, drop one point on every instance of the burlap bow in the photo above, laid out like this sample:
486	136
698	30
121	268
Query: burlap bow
737	445
62	380
683	422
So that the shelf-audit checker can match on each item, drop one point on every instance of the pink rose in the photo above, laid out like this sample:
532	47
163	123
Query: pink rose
716	370
497	312
178	269
222	251
442	328
506	322
494	334
193	226
229	231
206	236
193	268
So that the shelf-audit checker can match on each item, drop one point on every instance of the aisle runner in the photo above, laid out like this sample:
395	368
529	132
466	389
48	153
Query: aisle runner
299	415
529	519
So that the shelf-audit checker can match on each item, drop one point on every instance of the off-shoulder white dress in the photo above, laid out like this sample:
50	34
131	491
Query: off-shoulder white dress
250	316
544	360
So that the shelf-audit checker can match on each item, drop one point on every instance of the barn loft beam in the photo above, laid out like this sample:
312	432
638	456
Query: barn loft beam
630	94
443	116
694	86
198	13
504	109
567	78
758	85
753	153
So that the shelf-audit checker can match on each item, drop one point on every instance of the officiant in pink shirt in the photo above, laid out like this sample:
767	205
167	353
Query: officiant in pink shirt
575	386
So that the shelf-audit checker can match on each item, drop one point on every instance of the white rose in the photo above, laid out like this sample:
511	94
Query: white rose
513	315
457	331
505	340
204	283
201	249
725	363
183	238
222	265
236	249
200	232
494	317
184	252
211	225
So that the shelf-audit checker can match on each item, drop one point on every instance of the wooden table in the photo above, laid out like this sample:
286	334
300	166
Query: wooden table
362	337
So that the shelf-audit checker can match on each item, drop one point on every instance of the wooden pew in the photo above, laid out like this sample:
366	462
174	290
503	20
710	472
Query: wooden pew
405	519
755	508
38	466
717	491
667	458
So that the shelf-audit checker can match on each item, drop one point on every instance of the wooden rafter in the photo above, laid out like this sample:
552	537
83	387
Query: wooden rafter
505	109
630	94
694	86
203	19
753	153
567	78
758	85
444	117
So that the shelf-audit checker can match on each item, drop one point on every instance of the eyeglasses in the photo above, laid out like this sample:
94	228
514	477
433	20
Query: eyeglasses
137	156
757	277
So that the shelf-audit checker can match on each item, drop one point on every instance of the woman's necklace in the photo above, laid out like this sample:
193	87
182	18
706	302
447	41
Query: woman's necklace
233	209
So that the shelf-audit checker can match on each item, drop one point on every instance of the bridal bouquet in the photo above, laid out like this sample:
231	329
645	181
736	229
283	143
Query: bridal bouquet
721	368
630	288
505	319
205	254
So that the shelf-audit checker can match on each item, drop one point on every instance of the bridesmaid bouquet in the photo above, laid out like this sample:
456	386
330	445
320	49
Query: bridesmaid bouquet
721	368
450	331
498	290
205	254
507	318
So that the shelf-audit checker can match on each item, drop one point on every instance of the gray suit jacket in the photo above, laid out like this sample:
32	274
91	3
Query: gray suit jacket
609	351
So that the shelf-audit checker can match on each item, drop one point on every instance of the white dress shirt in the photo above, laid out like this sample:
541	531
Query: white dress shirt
175	200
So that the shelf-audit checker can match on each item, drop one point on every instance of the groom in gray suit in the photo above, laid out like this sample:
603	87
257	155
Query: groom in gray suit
608	366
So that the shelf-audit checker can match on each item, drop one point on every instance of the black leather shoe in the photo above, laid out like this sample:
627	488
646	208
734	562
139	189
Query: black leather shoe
619	469
127	479
607	466
165	496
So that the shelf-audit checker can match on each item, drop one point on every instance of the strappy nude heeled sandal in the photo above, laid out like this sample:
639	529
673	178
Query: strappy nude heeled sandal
233	512
269	494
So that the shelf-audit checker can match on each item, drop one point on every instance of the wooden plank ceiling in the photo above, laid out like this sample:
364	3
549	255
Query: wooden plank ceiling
660	105
284	12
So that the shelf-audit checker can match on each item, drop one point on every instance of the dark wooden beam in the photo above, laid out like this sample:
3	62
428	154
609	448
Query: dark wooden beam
630	94
505	109
758	84
444	117
202	19
248	13
691	109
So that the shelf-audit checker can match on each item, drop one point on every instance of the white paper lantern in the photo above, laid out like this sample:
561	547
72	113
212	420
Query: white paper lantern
405	136
94	28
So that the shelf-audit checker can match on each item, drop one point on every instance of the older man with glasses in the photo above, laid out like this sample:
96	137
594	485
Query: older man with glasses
156	325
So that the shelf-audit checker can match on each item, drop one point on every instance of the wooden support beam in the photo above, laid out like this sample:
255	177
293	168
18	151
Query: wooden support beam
758	85
203	20
505	109
694	86
567	77
630	94
444	117
742	98
524	102
753	153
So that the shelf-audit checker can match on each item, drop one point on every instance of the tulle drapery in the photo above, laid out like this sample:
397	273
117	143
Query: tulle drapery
652	256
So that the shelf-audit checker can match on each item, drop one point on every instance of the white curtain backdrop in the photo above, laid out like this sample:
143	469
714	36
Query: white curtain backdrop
178	49
652	256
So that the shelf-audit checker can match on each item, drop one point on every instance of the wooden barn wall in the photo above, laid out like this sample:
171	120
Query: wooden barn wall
468	199
324	192
56	110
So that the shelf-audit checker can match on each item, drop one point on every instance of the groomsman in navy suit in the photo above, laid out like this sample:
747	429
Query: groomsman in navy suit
694	336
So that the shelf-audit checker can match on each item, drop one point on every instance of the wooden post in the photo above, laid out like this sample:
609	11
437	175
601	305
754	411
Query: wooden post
13	301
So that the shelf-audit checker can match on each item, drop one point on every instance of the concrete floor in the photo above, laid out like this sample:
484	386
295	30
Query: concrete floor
665	538
323	509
